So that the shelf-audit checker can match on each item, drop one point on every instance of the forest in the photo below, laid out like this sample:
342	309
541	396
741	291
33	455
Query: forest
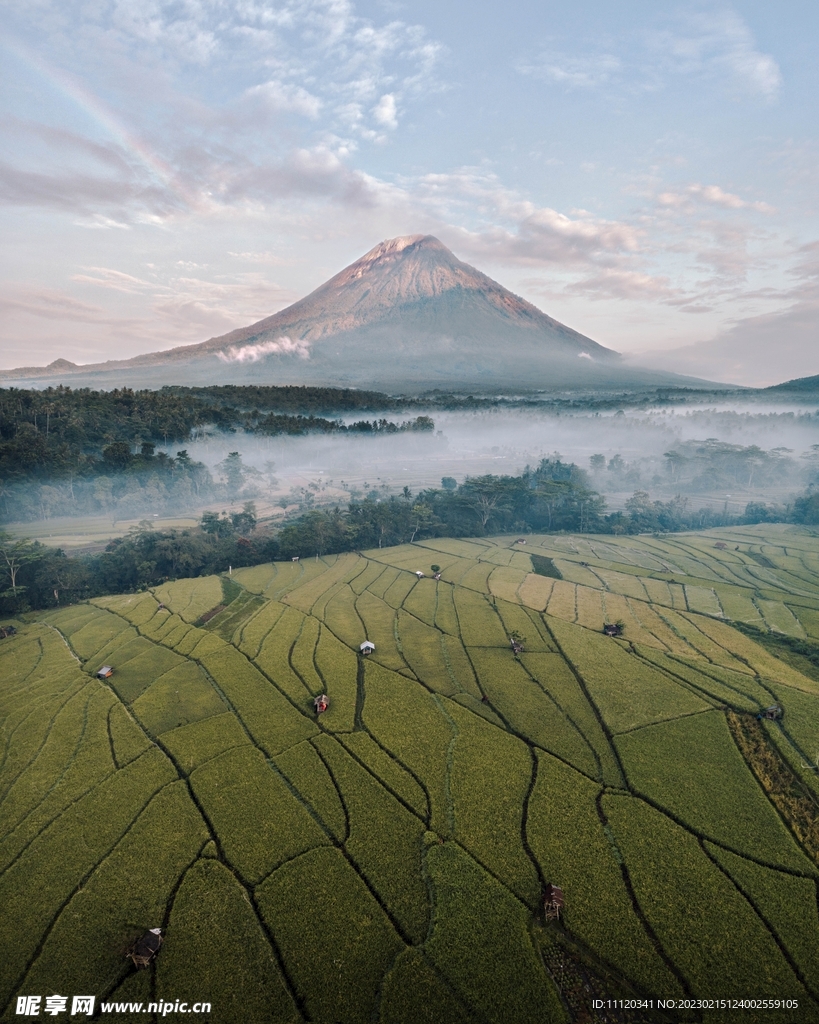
553	498
69	453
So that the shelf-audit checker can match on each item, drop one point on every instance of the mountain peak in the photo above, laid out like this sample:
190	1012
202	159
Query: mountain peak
392	246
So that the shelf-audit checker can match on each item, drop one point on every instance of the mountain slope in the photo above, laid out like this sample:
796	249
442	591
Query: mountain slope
406	314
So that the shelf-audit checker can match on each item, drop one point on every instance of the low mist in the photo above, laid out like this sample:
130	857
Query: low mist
638	449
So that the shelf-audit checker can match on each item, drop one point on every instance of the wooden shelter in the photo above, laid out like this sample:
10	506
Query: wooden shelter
771	713
145	949
613	629
6	631
321	703
552	902
105	672
418	573
367	647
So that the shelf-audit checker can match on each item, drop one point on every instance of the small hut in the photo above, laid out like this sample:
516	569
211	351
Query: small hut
366	648
771	713
521	540
552	902
321	703
516	644
145	949
720	545
295	558
437	576
419	574
105	672
6	631
613	629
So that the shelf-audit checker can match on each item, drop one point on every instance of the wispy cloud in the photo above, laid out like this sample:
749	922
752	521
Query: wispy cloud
715	44
712	195
283	346
575	72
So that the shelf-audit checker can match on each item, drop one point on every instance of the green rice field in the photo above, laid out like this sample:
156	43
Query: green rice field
386	861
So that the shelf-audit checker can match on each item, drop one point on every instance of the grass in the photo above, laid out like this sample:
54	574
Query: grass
307	774
563	819
563	602
422	601
480	624
557	679
131	679
627	692
535	591
177	698
545	566
386	768
415	993
127	893
425	655
674	764
787	903
379	627
268	716
487	805
411	726
338	671
386	860
341	617
719	691
192	745
529	710
504	582
191	599
685	896
274	655
480	943
384	840
216	951
333	936
260	823
45	875
259	627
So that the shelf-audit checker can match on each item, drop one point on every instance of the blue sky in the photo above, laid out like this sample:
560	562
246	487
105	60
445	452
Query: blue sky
646	173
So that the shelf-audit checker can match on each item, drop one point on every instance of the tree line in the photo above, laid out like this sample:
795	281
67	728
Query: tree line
553	497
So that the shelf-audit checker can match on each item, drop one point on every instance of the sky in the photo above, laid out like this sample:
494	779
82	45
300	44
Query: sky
645	173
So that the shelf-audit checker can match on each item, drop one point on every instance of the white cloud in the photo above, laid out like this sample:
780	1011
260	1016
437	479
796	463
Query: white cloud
385	111
286	97
710	194
253	353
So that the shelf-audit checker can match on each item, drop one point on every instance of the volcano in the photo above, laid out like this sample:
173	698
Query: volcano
406	315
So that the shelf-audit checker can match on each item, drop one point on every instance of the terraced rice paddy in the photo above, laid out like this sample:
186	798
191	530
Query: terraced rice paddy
386	861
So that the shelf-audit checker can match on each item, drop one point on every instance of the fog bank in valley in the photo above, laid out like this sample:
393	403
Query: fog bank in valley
710	454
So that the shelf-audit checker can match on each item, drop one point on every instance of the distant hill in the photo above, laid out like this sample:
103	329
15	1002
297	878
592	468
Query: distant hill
407	314
803	384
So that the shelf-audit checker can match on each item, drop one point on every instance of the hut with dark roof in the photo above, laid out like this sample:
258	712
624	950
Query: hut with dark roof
552	902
